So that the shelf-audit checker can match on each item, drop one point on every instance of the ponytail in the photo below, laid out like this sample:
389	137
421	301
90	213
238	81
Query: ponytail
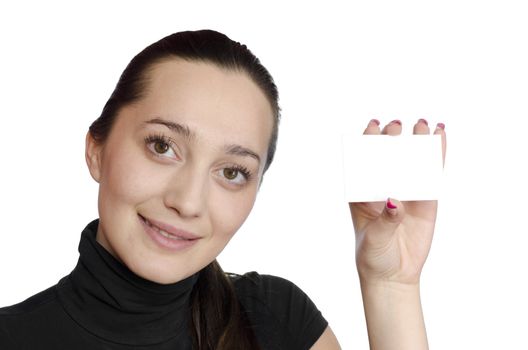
218	321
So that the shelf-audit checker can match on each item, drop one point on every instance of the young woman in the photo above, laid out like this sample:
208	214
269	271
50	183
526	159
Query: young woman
179	152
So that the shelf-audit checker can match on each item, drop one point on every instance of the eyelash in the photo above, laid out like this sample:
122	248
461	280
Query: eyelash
243	170
160	138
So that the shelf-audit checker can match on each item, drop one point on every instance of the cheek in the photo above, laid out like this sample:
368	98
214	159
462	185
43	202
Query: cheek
228	212
128	178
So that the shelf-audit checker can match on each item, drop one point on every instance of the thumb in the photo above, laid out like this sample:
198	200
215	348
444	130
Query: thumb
390	218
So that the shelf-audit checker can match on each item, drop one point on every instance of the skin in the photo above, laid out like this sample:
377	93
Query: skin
186	186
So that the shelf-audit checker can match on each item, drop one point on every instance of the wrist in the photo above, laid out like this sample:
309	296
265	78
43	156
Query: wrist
394	315
389	285
396	279
390	295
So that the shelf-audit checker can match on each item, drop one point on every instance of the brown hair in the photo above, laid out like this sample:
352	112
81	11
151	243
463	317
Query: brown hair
217	319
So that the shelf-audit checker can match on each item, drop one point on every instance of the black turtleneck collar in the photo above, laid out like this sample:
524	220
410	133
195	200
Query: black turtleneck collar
108	300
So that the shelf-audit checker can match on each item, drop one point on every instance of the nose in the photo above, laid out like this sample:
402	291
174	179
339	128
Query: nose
187	192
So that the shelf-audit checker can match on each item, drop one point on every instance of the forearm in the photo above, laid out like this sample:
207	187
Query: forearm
394	316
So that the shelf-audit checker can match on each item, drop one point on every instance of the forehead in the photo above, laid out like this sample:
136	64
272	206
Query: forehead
212	101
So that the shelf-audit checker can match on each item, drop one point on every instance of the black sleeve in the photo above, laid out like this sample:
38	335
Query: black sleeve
280	310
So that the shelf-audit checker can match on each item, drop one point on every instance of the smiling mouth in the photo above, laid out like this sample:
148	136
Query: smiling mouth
163	232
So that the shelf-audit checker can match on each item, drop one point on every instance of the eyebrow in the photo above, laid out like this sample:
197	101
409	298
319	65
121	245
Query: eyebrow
184	130
238	150
176	127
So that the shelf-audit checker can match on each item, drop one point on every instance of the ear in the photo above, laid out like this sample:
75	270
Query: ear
93	155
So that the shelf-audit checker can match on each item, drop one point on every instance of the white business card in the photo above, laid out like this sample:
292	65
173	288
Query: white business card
405	167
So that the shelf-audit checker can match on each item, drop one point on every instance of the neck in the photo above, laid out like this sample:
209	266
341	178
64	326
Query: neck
112	302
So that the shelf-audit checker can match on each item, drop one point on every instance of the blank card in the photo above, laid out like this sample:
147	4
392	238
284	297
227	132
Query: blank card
404	167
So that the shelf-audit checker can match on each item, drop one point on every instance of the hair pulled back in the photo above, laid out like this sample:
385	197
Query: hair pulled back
217	319
203	45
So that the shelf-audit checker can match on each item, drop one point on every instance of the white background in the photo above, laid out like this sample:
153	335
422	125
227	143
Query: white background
337	65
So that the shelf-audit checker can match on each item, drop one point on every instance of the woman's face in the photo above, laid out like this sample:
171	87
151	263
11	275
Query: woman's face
189	155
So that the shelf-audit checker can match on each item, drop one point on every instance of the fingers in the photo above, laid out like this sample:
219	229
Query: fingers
388	221
393	128
372	128
365	213
420	128
393	213
440	130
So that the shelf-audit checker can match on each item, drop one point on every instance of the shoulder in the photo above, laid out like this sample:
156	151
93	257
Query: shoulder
253	283
19	320
275	292
29	305
280	305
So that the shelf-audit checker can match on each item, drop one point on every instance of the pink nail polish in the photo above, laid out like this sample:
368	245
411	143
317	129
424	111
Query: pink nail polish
396	121
441	126
390	205
423	121
375	121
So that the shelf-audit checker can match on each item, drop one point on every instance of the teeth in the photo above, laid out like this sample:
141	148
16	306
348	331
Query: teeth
163	233
168	235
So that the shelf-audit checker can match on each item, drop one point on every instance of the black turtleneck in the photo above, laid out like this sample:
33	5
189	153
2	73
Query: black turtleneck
101	304
124	308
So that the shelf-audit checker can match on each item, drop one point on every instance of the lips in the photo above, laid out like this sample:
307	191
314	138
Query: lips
168	231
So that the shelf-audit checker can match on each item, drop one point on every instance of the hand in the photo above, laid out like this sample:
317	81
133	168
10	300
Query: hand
392	244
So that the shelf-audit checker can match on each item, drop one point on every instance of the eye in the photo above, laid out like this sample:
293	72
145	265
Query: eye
160	146
237	175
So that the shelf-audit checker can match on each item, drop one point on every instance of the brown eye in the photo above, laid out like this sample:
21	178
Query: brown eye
161	147
230	173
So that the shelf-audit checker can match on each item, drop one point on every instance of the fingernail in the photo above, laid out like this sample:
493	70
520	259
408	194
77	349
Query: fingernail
396	121
375	121
390	205
441	126
423	121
